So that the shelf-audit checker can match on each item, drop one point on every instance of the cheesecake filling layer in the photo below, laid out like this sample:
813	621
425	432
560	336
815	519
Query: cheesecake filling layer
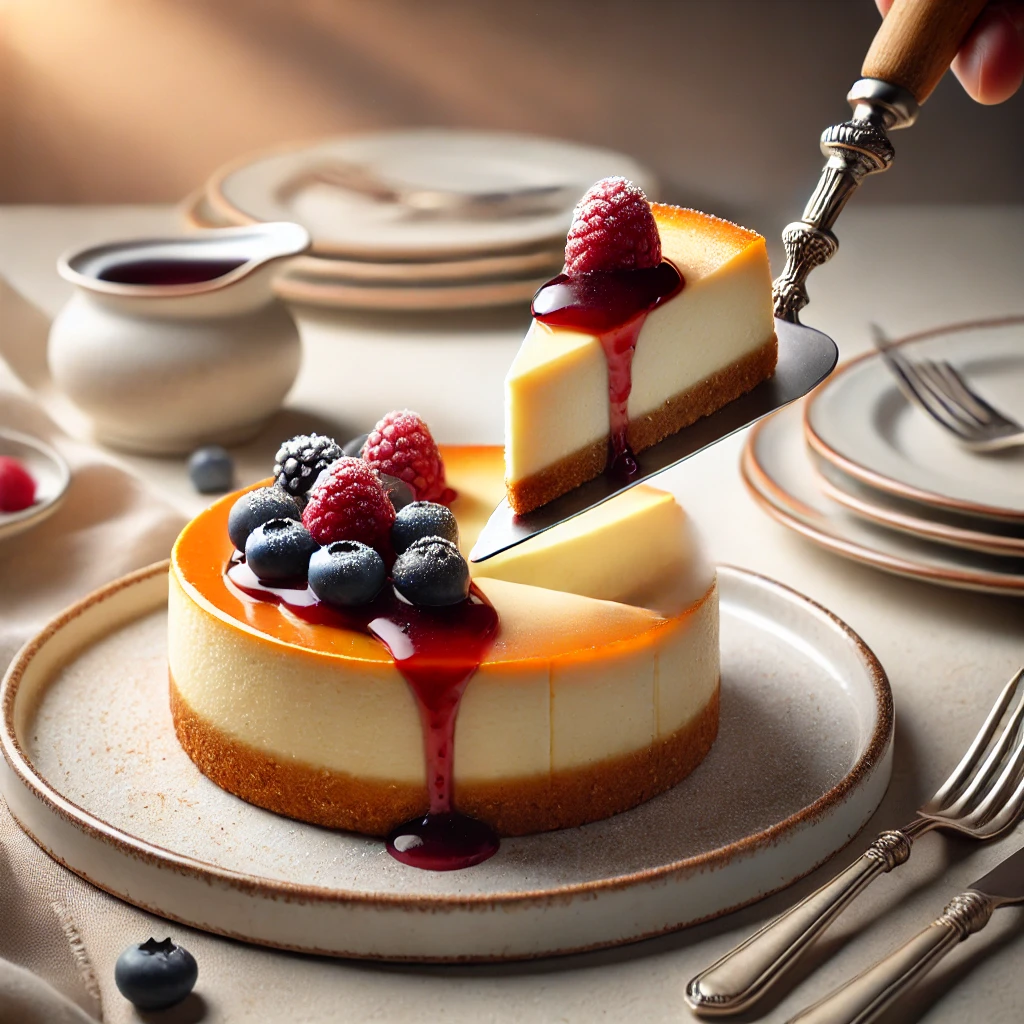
514	806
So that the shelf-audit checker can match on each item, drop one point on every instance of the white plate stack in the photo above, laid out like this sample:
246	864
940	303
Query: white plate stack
416	220
859	470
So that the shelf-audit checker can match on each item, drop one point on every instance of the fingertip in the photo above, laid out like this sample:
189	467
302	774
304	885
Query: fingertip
990	64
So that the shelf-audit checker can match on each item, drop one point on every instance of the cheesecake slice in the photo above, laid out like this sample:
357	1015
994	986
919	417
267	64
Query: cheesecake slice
696	346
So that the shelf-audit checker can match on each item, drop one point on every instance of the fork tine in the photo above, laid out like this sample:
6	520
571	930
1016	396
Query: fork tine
1009	814
996	797
918	394
965	769
985	412
956	387
936	387
941	388
978	785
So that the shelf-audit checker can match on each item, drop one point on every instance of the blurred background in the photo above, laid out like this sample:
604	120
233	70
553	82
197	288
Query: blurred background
107	101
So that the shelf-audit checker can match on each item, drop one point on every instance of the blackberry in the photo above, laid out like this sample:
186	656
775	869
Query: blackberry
300	460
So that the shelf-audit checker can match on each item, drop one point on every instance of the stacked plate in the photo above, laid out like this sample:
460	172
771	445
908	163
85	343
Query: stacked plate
859	470
416	220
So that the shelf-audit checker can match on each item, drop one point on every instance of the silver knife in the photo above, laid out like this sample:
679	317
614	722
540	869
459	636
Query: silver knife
806	358
866	996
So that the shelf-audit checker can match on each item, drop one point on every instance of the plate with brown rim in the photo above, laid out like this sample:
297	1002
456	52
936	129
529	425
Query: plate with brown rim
779	471
861	422
94	774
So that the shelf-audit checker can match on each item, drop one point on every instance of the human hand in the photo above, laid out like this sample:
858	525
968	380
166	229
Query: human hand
990	64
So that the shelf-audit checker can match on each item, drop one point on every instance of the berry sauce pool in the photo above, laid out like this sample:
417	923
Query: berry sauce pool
437	650
613	304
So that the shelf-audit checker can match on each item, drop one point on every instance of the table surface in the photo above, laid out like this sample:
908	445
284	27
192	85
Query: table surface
946	652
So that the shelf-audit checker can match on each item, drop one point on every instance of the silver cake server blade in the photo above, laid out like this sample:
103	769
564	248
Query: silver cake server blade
806	358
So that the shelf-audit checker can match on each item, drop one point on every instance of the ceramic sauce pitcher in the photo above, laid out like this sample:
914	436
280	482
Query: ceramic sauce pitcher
168	344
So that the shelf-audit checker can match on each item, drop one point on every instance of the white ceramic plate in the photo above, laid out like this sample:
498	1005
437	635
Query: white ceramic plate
906	517
93	772
860	421
341	294
777	468
344	223
47	468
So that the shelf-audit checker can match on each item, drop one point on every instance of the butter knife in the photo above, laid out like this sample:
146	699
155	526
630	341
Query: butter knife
866	996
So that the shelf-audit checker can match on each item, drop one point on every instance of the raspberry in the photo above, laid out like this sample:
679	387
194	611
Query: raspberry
17	488
612	229
401	446
348	502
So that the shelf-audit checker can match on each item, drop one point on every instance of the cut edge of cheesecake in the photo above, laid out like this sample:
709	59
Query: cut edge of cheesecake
702	247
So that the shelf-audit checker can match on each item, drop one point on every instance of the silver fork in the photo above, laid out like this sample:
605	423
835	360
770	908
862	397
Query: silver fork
982	798
939	389
522	200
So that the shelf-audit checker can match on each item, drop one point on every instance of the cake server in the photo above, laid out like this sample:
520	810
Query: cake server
866	996
911	51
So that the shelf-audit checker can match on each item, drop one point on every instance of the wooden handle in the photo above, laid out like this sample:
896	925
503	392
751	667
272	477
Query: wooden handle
918	41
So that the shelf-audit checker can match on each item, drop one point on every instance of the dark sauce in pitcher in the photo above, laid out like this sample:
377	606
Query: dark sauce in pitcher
167	271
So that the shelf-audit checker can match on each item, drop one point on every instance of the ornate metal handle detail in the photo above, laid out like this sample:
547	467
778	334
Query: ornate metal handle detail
866	996
855	149
744	974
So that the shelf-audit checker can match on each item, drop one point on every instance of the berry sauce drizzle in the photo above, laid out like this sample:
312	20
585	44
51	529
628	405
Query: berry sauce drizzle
437	650
613	304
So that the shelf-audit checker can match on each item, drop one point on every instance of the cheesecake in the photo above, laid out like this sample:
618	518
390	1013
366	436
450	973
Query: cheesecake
669	343
595	688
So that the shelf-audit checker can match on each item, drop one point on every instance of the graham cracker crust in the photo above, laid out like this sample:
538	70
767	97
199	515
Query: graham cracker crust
512	808
677	412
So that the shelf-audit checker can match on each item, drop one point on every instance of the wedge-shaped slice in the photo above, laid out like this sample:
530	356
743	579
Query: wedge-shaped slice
631	549
706	345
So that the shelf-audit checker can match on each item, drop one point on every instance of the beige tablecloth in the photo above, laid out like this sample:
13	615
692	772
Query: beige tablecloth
946	653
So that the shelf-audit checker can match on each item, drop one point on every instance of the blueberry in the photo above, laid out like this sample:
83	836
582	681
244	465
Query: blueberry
155	975
400	493
254	508
279	551
423	519
431	572
211	470
347	573
353	449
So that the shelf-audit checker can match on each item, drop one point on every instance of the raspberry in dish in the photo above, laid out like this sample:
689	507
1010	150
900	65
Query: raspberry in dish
17	486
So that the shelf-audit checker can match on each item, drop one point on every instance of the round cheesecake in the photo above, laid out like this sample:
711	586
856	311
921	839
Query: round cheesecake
599	690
